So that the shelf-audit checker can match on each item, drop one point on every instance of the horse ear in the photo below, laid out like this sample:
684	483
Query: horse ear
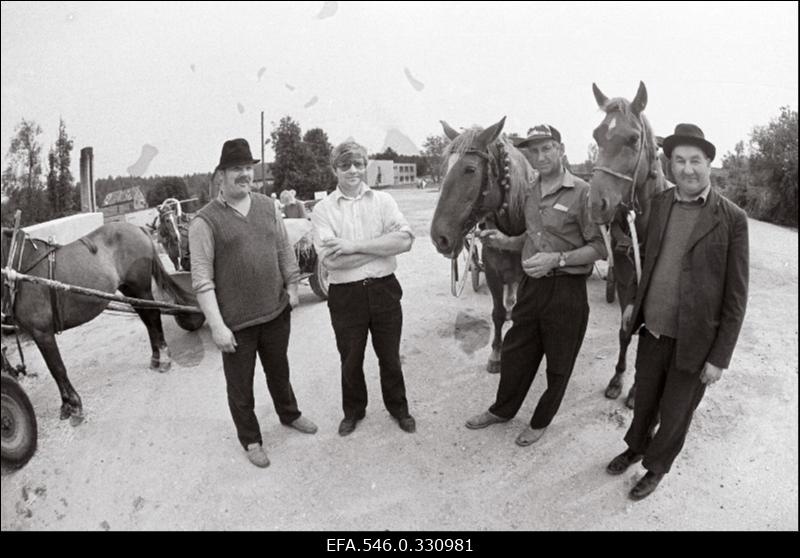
640	101
448	131
490	134
598	96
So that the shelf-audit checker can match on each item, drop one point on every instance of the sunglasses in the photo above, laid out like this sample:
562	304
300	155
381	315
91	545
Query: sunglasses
345	165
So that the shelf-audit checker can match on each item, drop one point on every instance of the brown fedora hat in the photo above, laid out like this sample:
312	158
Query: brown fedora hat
689	134
235	152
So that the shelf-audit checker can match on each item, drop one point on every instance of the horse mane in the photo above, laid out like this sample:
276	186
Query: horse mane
520	172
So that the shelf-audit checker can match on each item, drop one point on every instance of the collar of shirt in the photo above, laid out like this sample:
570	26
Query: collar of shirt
700	199
363	190
567	182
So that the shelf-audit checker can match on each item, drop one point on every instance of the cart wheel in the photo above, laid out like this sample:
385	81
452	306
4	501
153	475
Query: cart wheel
319	280
610	285
19	430
190	322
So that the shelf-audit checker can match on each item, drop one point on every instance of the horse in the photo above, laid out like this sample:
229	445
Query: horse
173	233
485	181
115	256
626	176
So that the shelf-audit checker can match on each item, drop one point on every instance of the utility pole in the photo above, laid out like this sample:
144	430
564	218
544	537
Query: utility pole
263	170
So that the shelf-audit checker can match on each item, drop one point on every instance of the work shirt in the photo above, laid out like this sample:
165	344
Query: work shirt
201	243
368	215
560	222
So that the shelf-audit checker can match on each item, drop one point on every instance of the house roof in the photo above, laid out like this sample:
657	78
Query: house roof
122	196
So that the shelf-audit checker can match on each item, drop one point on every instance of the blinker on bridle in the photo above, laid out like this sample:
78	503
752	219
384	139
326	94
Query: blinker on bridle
503	180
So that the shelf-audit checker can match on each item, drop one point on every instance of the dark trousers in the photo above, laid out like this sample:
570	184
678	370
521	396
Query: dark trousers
371	307
270	340
664	396
550	319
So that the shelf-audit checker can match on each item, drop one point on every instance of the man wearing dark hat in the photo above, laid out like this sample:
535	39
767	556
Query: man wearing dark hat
558	248
245	275
689	306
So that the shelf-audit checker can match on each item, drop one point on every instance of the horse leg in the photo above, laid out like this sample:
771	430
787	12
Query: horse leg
615	384
160	359
71	405
499	316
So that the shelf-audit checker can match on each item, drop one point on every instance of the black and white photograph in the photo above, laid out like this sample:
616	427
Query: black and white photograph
399	275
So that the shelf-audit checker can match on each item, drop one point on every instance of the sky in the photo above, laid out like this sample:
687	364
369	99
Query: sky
183	77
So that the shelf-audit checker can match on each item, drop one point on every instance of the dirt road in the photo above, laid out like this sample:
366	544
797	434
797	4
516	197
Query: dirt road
158	451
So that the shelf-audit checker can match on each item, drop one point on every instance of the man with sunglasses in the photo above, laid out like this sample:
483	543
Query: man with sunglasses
558	248
358	232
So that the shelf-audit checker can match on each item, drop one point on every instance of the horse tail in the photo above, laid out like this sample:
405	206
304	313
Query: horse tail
168	284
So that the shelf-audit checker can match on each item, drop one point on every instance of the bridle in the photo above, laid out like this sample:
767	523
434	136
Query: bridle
481	207
632	207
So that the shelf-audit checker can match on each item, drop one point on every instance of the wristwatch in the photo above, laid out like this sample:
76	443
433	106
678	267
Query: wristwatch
562	259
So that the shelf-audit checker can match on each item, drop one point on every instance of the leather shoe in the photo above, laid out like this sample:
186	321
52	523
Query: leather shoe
347	426
257	455
483	420
304	425
408	424
621	462
529	436
646	485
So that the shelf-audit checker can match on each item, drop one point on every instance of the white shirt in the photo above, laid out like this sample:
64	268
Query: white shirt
368	215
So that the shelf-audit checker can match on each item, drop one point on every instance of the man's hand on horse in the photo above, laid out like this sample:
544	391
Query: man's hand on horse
540	264
710	374
494	238
339	246
224	339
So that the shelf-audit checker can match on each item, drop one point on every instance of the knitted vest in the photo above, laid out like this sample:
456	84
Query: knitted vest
248	281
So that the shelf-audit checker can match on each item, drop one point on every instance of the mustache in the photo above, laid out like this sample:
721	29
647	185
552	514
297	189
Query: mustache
243	181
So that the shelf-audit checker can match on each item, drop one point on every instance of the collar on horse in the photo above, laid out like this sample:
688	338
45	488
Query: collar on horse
498	167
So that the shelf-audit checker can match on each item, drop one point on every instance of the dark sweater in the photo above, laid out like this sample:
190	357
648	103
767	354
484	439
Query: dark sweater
662	300
249	285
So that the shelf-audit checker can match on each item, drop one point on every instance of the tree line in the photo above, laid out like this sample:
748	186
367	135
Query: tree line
759	176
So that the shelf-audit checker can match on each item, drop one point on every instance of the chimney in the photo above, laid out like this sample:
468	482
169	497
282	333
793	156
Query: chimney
88	199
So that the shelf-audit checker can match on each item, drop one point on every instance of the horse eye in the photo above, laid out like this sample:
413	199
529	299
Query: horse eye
633	139
469	170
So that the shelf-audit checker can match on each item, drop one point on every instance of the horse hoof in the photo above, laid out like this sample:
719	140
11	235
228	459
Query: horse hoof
65	414
165	366
493	367
613	391
629	401
154	364
76	419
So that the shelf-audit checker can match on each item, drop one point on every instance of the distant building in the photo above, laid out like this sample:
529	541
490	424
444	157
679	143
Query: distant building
380	173
405	173
123	201
259	184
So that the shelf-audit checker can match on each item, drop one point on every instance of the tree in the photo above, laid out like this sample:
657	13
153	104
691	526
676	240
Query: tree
168	187
59	178
22	177
294	165
432	150
774	163
323	178
388	155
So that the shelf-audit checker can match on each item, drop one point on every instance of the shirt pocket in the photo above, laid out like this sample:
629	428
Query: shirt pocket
557	220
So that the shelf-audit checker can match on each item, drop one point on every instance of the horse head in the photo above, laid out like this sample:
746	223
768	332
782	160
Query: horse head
483	174
626	152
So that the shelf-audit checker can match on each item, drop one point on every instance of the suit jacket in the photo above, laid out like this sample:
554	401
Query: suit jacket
713	280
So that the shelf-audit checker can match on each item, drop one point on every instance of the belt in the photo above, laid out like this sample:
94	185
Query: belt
368	281
560	273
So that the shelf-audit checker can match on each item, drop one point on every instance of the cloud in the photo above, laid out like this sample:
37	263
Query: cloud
140	166
328	10
416	84
311	102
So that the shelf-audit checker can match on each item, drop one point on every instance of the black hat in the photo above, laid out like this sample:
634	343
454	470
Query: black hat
235	152
540	132
689	134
